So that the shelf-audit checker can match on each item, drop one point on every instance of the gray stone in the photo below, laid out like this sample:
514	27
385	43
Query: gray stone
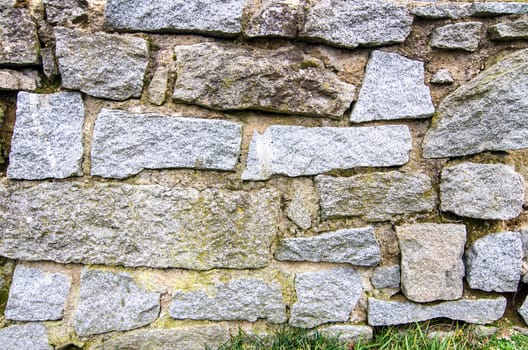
442	11
280	18
458	36
124	143
36	295
484	114
375	196
66	11
188	338
211	17
431	261
482	191
490	9
14	80
138	225
393	88
442	76
102	65
352	23
32	336
47	139
356	246
49	64
18	38
300	151
325	296
386	277
523	310
158	86
493	262
242	299
481	311
299	213
8	3
113	302
509	31
286	80
348	333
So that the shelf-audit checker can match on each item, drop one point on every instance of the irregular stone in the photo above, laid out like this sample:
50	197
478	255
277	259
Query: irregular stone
442	11
375	196
493	262
353	246
386	277
299	213
481	311
47	139
18	38
113	302
107	224
485	114
393	88
102	65
442	76
482	191
158	86
65	11
36	295
7	3
281	18
32	336
523	310
18	80
299	151
229	77
325	296
348	333
490	9
352	23
463	36
211	17
49	64
242	299
509	31
188	338
524	269
431	261
124	143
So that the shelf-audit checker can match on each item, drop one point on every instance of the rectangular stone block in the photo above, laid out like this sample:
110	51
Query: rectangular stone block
18	38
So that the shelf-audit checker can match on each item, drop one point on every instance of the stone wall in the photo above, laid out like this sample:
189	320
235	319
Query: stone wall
176	170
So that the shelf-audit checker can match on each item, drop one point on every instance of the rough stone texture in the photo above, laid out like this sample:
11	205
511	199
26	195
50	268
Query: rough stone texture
393	88
123	143
298	151
113	302
32	336
509	31
523	310
484	114
299	213
18	80
275	18
242	299
18	38
481	311
493	262
47	139
7	3
442	11
188	338
463	36
211	17
138	225
325	296
386	277
482	191
36	295
348	333
349	24
442	76
524	270
229	77
490	9
49	64
65	11
431	261
158	86
356	246
375	196
102	65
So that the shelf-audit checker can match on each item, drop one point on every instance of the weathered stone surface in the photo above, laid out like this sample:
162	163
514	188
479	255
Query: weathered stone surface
484	114
125	143
242	299
352	23
188	338
458	36
281	18
36	295
442	76
32	336
19	80
7	3
431	261
393	88
489	9
482	191
229	77
47	139
65	11
348	333
138	225
509	31
493	262
442	11
325	296
299	213
523	310
356	246
49	64
18	38
102	65
158	86
211	17
113	302
298	151
375	196
386	277
481	311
